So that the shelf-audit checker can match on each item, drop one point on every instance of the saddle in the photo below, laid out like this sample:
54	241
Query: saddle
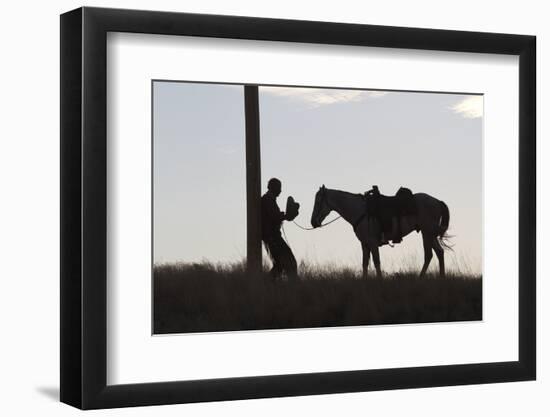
387	208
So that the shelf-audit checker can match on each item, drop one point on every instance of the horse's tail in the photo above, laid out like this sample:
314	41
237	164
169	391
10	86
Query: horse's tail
442	235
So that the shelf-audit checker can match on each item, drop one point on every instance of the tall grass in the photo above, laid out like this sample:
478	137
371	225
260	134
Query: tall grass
211	297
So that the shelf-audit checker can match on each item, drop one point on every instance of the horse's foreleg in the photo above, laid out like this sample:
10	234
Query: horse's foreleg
376	260
427	241
366	258
440	256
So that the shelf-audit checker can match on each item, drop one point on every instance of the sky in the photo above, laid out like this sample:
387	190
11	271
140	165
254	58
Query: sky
344	139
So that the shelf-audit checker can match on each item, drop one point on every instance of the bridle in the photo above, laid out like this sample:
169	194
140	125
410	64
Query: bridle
324	199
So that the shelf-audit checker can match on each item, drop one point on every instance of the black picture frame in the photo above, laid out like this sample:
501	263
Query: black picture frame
84	207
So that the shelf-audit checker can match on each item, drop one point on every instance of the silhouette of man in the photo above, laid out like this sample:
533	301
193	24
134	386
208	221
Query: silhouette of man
272	219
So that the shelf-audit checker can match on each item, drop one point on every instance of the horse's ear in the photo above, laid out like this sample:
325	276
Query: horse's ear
323	187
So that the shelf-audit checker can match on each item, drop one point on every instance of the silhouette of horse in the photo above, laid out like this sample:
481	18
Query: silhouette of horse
431	218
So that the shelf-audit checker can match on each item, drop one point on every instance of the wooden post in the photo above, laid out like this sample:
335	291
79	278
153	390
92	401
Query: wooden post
253	179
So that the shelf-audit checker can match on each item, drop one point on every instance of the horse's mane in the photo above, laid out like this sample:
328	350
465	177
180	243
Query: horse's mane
347	193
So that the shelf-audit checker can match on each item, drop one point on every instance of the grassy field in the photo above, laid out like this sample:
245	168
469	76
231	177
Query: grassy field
206	297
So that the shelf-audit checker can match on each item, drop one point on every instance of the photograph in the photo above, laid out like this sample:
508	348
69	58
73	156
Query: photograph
296	204
371	207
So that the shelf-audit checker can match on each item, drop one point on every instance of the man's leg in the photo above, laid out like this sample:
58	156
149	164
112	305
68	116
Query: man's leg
274	251
276	271
288	261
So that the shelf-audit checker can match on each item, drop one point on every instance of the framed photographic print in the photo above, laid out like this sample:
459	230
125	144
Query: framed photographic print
257	208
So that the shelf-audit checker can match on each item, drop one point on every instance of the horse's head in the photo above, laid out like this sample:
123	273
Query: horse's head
321	209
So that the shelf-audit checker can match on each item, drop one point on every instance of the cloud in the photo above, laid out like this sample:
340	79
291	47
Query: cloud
316	97
470	107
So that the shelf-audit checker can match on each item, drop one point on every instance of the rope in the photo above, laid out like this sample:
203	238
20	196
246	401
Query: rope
323	225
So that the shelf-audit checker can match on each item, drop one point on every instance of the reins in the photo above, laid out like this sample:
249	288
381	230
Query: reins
311	228
307	228
323	199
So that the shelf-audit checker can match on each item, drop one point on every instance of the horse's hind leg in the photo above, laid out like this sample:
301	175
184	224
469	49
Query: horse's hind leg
366	258
440	256
427	241
376	260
